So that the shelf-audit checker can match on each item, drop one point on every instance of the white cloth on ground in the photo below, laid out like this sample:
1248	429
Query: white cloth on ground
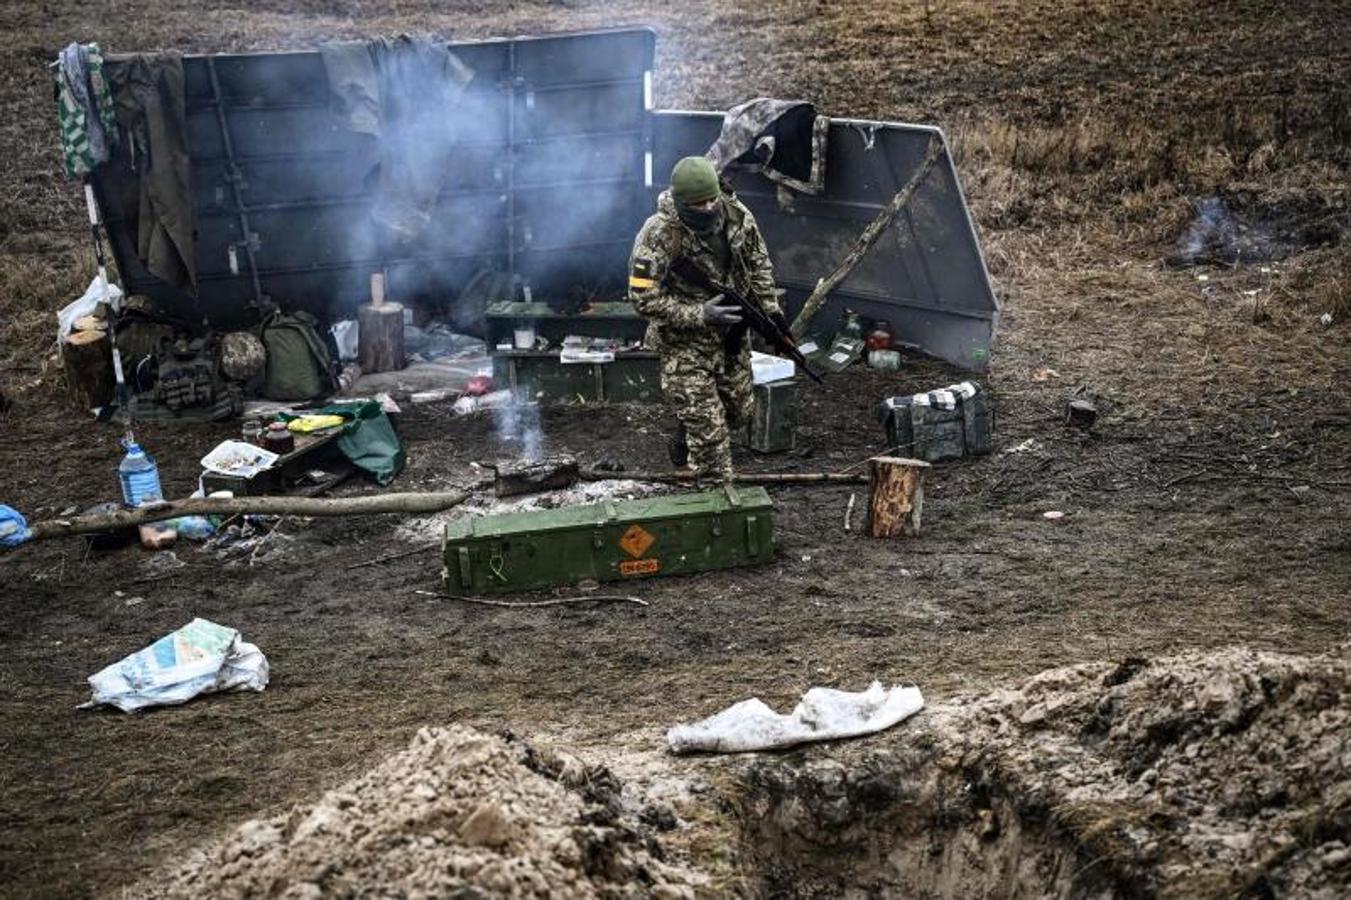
821	714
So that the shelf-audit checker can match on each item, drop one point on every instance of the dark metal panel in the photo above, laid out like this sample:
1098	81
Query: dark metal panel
580	158
578	58
597	107
926	275
548	164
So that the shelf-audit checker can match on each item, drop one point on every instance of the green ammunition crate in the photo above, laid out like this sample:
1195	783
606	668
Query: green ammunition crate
611	541
631	377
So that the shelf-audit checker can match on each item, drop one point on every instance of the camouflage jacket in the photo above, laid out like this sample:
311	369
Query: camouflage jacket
674	306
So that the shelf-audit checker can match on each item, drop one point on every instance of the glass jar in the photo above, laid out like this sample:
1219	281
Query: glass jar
278	439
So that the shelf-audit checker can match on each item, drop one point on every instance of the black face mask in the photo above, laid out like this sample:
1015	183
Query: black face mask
700	220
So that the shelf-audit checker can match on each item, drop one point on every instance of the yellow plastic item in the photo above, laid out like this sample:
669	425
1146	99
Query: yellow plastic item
307	424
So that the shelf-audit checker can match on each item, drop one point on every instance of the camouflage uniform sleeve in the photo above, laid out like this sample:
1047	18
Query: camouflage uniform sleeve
647	283
760	270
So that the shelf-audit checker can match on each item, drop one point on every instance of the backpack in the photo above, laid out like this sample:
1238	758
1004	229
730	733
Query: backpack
299	366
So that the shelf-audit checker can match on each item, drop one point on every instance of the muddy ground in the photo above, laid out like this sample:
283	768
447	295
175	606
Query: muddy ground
1207	508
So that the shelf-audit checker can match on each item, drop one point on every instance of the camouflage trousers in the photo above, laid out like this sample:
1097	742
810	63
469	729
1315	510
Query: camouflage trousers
711	395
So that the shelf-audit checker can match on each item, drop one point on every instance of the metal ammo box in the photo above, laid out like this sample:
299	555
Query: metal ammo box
773	417
671	535
940	425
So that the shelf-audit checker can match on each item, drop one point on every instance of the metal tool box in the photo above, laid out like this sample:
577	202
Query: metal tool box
773	417
610	541
940	425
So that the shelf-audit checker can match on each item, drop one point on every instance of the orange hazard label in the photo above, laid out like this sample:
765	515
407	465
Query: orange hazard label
636	540
639	567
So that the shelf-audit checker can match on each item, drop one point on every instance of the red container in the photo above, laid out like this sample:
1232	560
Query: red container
880	337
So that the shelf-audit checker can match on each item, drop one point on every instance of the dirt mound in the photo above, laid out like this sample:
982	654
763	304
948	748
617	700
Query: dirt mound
1197	775
458	814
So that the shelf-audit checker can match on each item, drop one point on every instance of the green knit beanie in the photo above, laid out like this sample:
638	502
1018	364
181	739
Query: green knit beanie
694	180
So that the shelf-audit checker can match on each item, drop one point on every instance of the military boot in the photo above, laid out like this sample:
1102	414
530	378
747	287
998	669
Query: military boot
678	448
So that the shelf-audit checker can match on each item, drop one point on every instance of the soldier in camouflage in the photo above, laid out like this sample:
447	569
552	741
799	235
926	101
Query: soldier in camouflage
705	376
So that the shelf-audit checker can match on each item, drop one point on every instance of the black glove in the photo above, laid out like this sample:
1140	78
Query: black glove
719	312
780	321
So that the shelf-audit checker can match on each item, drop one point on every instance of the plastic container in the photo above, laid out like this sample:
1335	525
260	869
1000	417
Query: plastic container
139	476
853	327
238	458
766	368
884	359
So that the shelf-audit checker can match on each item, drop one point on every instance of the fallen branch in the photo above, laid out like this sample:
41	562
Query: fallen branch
388	557
519	605
230	506
742	478
849	511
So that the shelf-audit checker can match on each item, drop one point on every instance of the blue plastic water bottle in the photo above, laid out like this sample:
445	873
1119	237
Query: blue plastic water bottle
139	476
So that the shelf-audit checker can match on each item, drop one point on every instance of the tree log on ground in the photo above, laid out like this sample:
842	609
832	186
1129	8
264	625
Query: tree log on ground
739	478
234	506
897	499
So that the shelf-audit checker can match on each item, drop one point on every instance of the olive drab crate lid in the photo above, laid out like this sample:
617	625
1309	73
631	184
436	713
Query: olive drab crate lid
647	509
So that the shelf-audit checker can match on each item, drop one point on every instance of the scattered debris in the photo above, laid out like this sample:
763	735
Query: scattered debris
607	464
434	396
822	714
1044	374
849	511
199	658
468	404
160	563
1081	413
1053	515
548	474
1031	445
254	540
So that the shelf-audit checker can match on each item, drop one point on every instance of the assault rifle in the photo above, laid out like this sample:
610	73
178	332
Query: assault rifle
773	330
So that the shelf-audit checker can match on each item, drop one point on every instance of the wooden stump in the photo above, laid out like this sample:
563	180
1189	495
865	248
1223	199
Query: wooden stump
86	357
380	338
897	497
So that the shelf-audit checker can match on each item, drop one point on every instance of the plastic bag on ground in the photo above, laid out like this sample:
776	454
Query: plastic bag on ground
13	527
822	714
199	658
84	305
